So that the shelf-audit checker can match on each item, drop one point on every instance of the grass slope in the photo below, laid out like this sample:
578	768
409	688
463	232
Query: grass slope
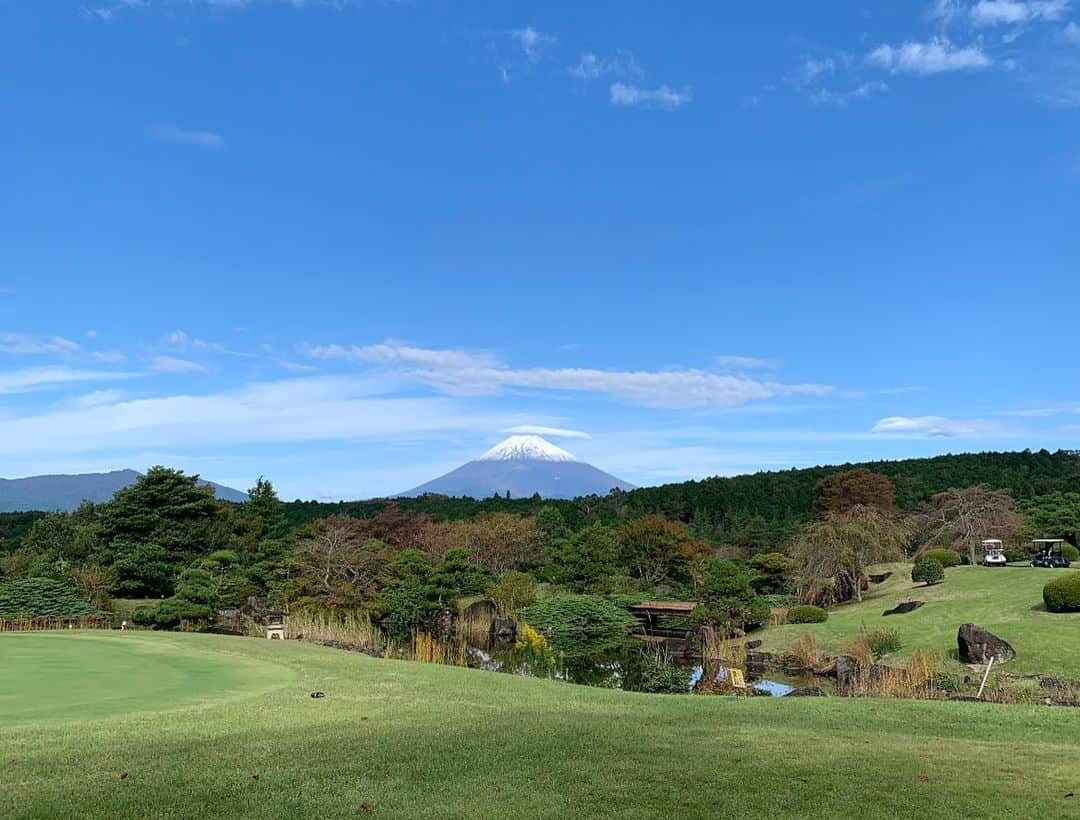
1007	601
417	741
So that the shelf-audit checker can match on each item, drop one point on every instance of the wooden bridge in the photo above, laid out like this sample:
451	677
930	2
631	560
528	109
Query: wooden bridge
665	620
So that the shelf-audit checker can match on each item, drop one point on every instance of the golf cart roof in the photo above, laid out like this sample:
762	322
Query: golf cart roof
1048	541
991	541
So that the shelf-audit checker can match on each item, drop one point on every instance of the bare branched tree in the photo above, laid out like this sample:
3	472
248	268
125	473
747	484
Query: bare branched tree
963	518
339	562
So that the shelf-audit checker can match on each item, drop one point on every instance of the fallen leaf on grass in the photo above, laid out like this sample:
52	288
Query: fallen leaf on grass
366	808
123	775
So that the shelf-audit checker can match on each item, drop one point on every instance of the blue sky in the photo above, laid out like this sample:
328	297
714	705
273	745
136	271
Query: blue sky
346	245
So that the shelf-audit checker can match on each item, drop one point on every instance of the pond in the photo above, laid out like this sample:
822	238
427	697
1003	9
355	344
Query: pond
613	671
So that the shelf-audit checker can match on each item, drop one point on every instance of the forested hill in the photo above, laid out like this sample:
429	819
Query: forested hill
771	499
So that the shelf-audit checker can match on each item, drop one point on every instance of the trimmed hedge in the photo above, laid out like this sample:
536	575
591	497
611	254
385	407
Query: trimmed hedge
580	626
1063	594
1070	553
807	614
946	557
41	598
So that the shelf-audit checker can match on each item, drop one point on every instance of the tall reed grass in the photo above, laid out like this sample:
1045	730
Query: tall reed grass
348	629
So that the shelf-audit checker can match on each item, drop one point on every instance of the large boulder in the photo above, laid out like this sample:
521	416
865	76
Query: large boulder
975	645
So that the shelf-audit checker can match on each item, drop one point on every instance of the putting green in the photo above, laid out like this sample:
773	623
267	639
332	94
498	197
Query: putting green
61	675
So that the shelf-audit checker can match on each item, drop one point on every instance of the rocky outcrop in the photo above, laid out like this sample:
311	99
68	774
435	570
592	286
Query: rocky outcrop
976	645
903	608
503	632
847	671
880	577
758	663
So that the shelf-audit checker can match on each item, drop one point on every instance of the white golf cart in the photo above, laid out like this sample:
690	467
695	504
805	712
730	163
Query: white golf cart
993	553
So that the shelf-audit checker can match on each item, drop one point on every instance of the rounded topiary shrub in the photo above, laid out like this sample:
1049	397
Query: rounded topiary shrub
927	571
1070	553
946	557
1063	593
806	614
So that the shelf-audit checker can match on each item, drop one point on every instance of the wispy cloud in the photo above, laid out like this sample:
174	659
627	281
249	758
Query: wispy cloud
746	362
532	42
200	139
934	56
24	344
42	378
663	97
541	430
1014	12
1071	34
463	373
826	96
172	364
591	67
288	411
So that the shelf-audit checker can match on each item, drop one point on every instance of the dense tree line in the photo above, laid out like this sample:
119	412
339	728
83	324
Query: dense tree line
728	544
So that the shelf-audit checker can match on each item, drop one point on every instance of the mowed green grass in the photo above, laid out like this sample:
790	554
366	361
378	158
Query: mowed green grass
58	675
417	741
1005	600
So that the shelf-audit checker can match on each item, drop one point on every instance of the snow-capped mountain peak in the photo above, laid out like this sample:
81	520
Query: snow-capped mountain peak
526	448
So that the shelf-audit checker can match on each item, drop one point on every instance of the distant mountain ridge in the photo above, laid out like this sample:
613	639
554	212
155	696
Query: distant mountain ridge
49	493
523	466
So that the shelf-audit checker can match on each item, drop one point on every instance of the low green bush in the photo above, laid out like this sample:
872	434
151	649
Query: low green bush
807	614
1070	553
928	571
580	626
946	557
41	598
1063	593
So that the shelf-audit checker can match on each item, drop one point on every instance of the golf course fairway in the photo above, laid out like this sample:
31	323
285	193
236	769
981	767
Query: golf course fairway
117	725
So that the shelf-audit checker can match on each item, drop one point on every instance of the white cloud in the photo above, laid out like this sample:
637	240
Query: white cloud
172	364
663	97
590	66
463	373
1014	12
1071	34
812	71
746	362
825	96
200	139
41	378
541	430
933	426
23	344
532	42
288	411
935	56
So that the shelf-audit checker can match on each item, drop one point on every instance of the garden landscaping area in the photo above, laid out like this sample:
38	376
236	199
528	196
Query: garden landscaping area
1005	600
230	729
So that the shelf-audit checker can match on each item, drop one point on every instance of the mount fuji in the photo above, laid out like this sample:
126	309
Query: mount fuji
523	466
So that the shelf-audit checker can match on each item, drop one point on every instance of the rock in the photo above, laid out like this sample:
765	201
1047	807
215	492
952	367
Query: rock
847	668
503	632
976	645
806	692
880	577
753	645
757	663
903	608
